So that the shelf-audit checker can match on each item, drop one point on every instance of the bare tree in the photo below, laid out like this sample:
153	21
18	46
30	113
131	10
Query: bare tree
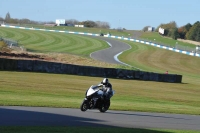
145	28
101	24
1	19
7	18
72	21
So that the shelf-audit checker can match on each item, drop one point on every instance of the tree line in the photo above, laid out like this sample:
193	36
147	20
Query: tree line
88	23
188	31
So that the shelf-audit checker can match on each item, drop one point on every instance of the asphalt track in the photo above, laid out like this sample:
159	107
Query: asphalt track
44	116
109	55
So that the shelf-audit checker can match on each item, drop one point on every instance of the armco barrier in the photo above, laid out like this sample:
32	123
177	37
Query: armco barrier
59	68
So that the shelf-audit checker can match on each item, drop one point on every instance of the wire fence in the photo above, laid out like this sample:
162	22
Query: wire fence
12	44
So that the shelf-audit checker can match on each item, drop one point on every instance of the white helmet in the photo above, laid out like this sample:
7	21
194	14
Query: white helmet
105	81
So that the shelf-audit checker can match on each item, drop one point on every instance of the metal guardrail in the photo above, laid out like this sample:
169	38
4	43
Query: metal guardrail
12	44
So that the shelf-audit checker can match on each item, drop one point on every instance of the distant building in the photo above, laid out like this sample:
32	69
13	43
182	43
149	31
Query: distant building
161	31
60	22
51	25
151	29
70	25
78	25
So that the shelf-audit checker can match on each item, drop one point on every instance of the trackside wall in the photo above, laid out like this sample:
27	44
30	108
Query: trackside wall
60	68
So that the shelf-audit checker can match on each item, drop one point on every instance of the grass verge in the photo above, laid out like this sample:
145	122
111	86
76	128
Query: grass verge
54	90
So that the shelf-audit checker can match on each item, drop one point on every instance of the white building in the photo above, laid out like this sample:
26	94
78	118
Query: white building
150	29
78	25
60	22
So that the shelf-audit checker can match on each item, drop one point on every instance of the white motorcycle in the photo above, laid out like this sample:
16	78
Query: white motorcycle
94	99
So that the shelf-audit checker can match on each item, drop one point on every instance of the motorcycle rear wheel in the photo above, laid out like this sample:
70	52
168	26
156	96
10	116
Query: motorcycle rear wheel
84	106
105	106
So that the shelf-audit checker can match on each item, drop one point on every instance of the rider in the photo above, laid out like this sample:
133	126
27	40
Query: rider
106	88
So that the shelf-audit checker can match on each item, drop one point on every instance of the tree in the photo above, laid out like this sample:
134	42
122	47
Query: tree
101	24
7	18
14	21
194	32
174	33
187	27
89	23
1	19
71	22
170	29
170	25
145	28
25	21
182	32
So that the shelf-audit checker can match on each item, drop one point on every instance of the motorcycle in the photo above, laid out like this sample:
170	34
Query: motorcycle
94	99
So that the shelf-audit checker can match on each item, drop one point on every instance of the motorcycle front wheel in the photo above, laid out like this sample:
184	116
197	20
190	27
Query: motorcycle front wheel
105	106
84	106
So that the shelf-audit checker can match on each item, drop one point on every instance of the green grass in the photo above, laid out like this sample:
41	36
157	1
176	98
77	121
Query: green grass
125	33
28	129
40	41
154	59
150	36
54	90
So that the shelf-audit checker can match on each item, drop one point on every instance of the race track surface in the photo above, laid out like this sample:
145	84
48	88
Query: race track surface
44	116
108	55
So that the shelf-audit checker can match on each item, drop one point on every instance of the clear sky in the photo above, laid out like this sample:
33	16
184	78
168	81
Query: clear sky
129	14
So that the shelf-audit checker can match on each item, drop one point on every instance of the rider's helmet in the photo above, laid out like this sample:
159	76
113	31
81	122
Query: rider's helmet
105	81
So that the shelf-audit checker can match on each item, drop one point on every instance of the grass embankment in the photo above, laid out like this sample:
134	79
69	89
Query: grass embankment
157	38
40	41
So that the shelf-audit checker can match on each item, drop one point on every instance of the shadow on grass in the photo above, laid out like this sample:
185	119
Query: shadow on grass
19	121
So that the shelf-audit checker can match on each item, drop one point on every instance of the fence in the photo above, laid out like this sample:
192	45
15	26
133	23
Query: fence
59	68
12	44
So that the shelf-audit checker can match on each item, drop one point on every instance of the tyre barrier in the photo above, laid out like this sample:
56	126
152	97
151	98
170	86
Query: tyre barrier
60	68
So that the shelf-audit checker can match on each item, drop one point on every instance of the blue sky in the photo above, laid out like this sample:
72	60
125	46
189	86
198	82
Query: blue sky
129	14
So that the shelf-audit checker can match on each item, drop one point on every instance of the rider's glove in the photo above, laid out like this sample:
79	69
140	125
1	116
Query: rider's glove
99	85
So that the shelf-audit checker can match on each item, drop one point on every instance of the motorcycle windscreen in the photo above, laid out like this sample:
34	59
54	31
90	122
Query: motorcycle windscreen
92	90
